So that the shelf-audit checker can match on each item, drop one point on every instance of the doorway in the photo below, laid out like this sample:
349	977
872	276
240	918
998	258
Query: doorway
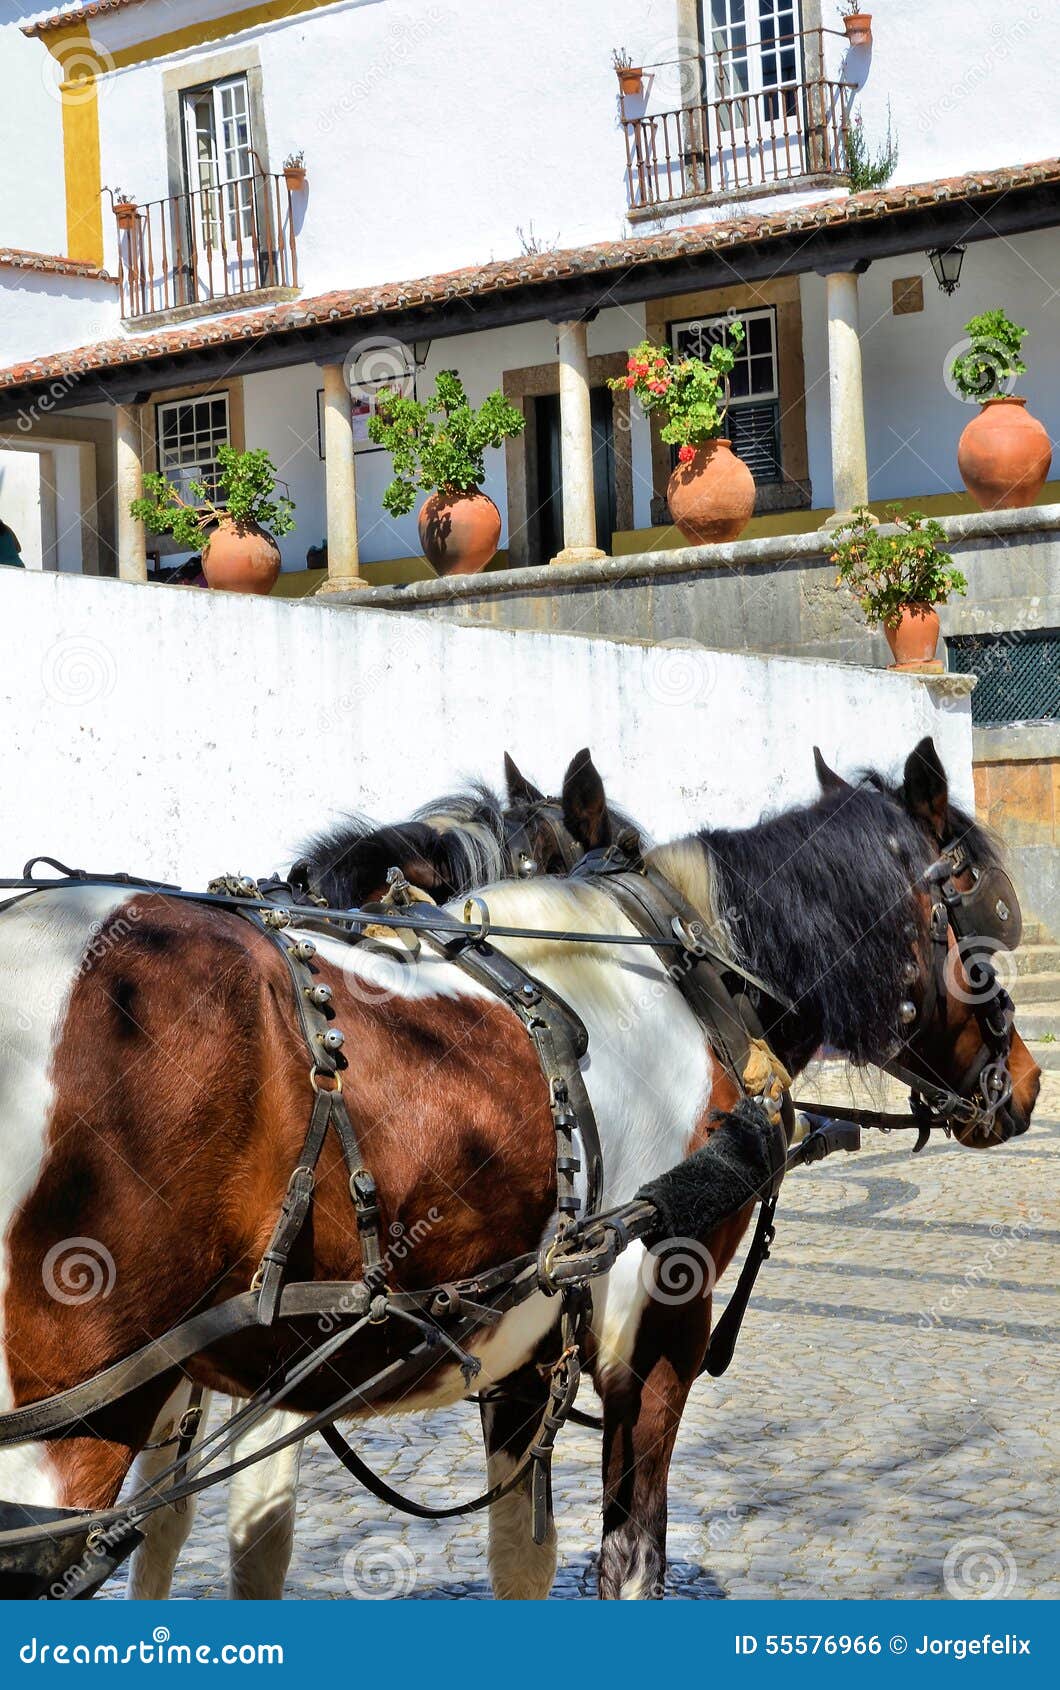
545	513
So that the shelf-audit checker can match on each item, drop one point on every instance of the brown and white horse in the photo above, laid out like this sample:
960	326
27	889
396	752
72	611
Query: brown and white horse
155	1099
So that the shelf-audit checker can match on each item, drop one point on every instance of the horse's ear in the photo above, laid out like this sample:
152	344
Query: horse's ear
925	789
585	813
520	790
828	779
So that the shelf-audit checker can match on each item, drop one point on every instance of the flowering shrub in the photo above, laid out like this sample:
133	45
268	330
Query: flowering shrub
691	392
886	572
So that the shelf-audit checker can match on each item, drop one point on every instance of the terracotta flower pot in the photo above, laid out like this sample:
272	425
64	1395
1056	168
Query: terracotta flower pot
125	212
240	557
914	638
295	175
459	532
1004	455
712	497
630	81
858	26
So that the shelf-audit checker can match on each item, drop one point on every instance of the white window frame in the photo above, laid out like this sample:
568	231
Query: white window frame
196	465
738	402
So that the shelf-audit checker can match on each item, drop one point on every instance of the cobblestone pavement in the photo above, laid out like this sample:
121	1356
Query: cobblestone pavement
887	1428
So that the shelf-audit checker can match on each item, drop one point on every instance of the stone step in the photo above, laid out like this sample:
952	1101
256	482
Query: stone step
1034	1021
1038	959
1036	988
1046	1054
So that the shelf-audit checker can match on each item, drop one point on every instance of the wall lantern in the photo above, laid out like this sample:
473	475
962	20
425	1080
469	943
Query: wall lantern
946	262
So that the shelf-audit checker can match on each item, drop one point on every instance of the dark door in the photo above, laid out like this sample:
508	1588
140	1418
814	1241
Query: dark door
546	479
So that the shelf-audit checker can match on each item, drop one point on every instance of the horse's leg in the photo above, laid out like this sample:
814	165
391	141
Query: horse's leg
520	1569
165	1532
261	1504
652	1346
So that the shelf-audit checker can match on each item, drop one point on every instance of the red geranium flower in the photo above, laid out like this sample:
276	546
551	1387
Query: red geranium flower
686	454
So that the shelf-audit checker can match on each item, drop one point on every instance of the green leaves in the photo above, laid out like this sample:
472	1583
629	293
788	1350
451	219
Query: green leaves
886	572
246	482
866	169
440	442
992	362
692	393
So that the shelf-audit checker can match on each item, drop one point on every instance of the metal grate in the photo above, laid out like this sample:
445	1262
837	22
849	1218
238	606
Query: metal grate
1019	674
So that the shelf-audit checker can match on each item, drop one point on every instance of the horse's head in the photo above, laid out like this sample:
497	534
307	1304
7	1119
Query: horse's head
536	836
955	1019
349	867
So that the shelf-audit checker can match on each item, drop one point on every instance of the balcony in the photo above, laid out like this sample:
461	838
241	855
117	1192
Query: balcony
742	140
206	248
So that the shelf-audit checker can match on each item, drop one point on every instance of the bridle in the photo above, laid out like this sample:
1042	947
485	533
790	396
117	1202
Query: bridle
523	848
983	918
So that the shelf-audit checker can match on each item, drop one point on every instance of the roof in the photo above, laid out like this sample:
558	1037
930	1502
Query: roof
604	264
16	258
77	15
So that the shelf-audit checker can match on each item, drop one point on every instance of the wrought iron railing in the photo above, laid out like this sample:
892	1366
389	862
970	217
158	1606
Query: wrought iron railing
735	141
206	245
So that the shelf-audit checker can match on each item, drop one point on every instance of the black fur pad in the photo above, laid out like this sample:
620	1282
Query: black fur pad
737	1163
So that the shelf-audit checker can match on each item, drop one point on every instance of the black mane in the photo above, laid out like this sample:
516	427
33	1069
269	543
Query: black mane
456	841
820	903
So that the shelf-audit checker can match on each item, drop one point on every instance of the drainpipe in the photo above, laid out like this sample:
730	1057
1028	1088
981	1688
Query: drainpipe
846	396
129	476
340	480
576	443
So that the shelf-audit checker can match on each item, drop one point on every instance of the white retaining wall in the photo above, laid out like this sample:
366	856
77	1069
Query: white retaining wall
180	734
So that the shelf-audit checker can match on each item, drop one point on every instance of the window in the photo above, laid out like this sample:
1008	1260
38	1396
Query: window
753	422
753	48
189	434
219	163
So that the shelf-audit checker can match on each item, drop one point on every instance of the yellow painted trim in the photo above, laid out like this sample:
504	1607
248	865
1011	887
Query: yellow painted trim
231	23
80	64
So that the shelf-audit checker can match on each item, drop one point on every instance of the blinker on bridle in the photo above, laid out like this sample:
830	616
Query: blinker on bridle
519	843
983	918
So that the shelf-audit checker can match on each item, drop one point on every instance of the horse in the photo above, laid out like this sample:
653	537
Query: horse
156	1100
446	848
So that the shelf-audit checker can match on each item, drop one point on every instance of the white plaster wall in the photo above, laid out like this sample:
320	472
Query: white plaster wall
192	733
32	197
913	420
435	129
41	312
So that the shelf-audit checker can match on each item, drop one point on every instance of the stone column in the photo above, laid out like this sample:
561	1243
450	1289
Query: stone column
846	398
576	444
129	482
340	478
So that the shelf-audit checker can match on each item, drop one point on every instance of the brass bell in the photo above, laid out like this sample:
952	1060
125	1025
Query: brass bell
319	995
305	950
906	1011
332	1039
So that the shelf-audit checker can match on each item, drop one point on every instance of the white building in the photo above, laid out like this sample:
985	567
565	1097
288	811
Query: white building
474	177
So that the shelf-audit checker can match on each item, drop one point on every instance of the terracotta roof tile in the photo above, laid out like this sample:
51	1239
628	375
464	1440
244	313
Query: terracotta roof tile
496	277
16	258
77	15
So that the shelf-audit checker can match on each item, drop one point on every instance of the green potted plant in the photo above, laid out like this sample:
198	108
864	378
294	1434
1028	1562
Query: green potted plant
711	493
438	446
898	574
858	24
1004	454
233	524
294	171
630	76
